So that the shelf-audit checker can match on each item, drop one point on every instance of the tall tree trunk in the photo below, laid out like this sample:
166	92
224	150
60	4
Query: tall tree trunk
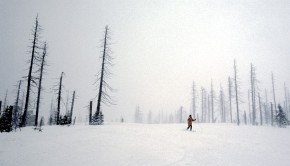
267	107
272	116
249	104
202	105
72	107
39	84
230	98
193	100
274	96
59	98
51	113
15	119
90	113
5	100
208	108
102	73
236	90
261	115
23	122
253	95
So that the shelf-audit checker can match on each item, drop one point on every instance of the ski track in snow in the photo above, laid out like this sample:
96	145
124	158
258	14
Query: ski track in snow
144	144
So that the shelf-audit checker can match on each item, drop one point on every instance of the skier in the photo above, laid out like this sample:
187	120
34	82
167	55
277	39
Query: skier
189	122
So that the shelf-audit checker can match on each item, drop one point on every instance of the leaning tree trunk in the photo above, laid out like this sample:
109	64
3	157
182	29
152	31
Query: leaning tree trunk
58	99
15	119
274	96
102	74
72	107
39	84
35	36
5	100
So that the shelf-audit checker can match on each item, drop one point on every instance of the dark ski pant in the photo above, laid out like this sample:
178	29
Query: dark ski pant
189	126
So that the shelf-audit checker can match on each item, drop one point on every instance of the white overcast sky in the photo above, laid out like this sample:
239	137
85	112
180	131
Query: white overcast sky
160	47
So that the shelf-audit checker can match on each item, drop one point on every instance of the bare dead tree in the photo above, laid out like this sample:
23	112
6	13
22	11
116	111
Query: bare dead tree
230	97
267	114
249	104
236	92
212	102
222	110
272	115
72	107
90	112
41	72
16	110
51	113
59	98
208	108
253	92
202	104
30	79
103	96
260	106
193	100
274	96
5	100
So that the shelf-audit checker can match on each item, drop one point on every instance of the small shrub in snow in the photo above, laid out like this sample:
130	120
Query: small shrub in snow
97	119
6	120
280	118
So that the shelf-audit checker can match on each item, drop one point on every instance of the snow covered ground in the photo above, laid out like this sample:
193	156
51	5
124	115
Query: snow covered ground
140	144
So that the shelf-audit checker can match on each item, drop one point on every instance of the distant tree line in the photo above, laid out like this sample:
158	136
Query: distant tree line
225	107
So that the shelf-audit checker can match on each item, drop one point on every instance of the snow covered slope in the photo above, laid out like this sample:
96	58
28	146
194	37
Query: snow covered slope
140	144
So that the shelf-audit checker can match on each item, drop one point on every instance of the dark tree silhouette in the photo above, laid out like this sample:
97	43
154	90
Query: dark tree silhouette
6	120
30	78
72	107
0	107
5	100
90	112
16	107
59	99
103	96
43	63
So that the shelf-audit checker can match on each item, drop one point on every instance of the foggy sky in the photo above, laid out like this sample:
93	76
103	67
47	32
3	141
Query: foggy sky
160	47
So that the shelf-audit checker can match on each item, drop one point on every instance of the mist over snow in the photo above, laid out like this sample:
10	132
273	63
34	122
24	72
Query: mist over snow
160	47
